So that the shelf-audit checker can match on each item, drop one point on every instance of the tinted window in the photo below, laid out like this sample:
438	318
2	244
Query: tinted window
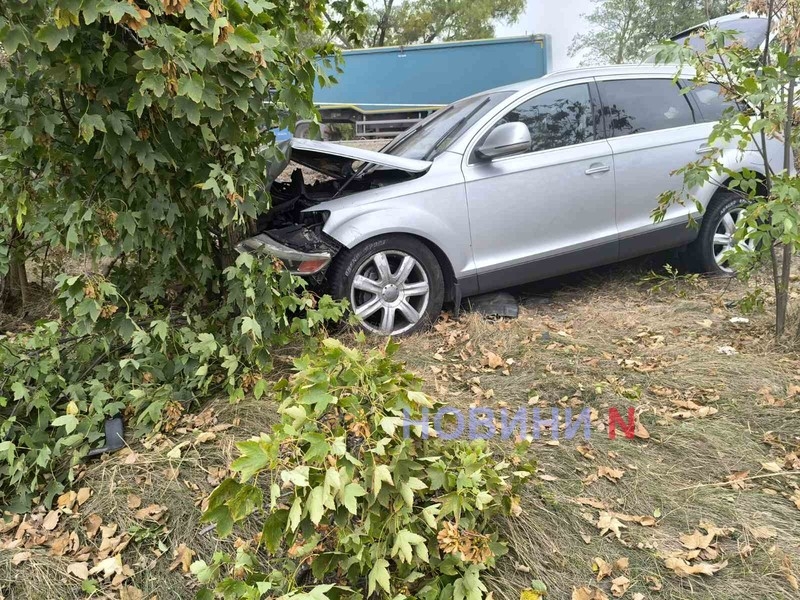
555	119
710	102
640	105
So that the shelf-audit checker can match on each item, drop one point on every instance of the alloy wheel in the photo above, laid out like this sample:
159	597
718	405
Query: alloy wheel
390	292
723	241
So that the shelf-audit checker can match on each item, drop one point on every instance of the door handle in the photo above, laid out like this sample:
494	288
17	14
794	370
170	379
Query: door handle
704	150
597	168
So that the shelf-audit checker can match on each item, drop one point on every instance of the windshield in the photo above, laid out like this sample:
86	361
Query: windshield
435	133
751	32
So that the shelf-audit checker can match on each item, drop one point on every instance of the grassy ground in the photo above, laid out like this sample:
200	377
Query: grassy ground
716	400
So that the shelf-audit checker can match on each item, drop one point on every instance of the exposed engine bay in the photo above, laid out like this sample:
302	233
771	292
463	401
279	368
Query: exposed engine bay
328	171
290	198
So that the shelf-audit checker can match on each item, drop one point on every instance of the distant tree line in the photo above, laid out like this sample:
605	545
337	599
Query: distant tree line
624	30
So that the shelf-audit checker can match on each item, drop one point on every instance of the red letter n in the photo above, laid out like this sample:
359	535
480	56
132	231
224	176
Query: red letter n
614	419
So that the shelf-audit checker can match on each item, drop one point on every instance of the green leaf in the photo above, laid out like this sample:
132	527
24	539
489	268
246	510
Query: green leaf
254	459
350	495
274	527
297	476
316	504
90	123
403	543
379	575
380	474
191	86
12	38
69	422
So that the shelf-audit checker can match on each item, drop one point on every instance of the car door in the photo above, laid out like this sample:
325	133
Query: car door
549	210
653	129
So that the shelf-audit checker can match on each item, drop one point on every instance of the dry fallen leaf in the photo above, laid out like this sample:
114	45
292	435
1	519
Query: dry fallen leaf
153	512
20	557
696	540
607	522
621	564
684	569
183	558
51	520
619	586
128	592
772	467
586	593
602	568
92	525
83	495
109	567
492	360
610	473
762	533
79	570
134	501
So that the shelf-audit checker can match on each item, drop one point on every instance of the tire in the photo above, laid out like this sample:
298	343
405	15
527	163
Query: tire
704	251
386	299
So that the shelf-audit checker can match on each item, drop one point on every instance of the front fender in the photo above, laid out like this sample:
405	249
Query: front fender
351	227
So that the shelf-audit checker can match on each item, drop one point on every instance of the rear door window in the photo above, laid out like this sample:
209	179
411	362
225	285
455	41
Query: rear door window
710	102
641	105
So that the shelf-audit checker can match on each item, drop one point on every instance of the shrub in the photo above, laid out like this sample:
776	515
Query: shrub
106	356
135	136
354	502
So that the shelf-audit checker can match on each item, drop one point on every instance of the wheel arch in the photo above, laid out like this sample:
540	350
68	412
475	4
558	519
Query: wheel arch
448	272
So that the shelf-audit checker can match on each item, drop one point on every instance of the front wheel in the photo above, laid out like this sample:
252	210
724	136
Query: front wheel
709	252
394	284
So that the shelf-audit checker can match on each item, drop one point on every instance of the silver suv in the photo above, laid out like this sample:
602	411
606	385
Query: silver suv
505	187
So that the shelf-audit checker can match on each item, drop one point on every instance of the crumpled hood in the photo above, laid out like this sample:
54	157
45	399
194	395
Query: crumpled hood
336	160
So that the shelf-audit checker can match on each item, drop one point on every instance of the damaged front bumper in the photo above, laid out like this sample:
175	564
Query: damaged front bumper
298	262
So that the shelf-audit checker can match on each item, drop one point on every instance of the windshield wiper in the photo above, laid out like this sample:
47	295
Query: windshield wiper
398	141
456	126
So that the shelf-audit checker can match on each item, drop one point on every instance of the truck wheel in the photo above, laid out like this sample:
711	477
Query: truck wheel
394	284
707	252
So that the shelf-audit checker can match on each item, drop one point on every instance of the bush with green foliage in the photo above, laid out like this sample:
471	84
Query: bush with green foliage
107	356
136	136
354	500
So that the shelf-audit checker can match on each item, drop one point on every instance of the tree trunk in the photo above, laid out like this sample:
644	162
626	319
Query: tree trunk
384	24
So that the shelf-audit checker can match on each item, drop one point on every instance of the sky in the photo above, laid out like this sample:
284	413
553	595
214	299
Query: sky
559	18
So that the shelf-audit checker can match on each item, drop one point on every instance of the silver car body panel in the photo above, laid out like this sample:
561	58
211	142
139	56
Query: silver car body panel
526	217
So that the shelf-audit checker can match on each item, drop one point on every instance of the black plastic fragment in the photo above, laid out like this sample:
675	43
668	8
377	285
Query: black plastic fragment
500	304
115	437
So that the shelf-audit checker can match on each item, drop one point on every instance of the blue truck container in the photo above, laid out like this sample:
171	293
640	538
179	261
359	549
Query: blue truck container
383	91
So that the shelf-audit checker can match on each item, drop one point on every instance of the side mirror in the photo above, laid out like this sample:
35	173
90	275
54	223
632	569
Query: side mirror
505	140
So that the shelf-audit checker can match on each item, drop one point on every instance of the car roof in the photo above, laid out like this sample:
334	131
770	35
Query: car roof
718	21
594	71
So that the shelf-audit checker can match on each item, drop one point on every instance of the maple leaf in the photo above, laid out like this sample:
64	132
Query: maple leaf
608	522
696	540
586	593
610	473
603	568
492	360
182	557
619	586
684	569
